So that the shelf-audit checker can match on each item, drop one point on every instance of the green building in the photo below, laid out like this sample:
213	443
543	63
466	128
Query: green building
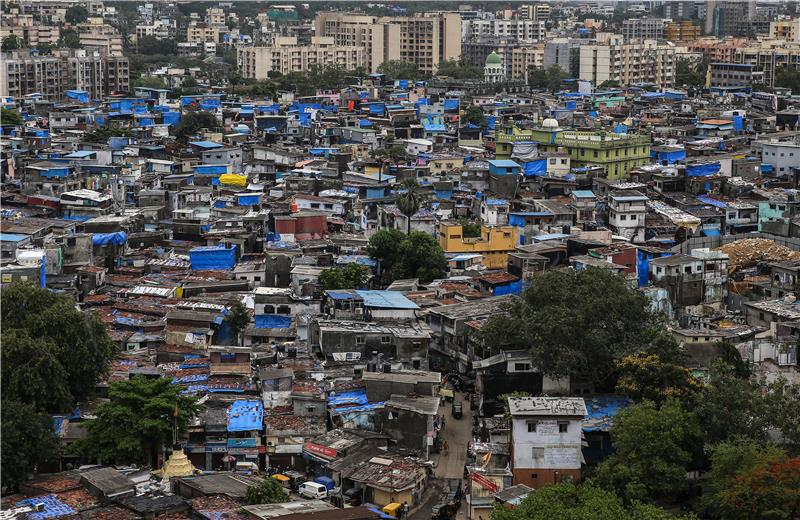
617	154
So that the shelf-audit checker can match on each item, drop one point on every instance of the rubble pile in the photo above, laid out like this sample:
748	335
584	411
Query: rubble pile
750	251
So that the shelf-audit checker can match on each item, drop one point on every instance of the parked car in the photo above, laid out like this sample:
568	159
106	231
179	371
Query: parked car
313	490
458	409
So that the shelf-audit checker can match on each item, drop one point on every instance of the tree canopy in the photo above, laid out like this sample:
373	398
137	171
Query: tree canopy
267	491
690	72
574	502
70	38
580	323
351	276
103	133
647	376
398	69
238	318
475	116
76	14
549	78
193	121
10	43
151	45
10	117
652	451
408	201
458	69
137	421
784	77
413	255
52	357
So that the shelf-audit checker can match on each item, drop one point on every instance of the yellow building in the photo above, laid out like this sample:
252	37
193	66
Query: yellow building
495	243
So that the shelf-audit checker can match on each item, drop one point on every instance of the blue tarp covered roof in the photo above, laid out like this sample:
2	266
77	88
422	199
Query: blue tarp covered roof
386	300
273	321
53	507
245	416
600	412
583	194
356	397
205	144
104	239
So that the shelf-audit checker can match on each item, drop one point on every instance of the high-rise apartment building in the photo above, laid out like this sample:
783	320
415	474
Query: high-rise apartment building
513	30
788	30
769	56
645	61
684	30
424	39
534	12
101	75
643	29
729	18
287	56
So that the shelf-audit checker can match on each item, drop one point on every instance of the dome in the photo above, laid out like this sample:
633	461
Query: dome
549	123
493	59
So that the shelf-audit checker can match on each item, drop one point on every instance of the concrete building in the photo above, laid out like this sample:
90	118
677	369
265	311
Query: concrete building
534	12
28	31
287	56
626	214
546	438
735	75
769	56
784	156
788	30
726	18
425	39
513	30
494	243
100	75
643	29
201	33
493	70
628	63
686	30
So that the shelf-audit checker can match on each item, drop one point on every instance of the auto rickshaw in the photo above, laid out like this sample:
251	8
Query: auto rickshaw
458	410
283	480
393	509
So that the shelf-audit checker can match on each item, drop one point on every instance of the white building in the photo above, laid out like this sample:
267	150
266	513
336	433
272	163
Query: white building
626	214
494	71
513	30
611	59
546	436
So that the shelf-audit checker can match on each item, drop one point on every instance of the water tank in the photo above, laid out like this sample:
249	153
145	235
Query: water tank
242	129
29	257
293	207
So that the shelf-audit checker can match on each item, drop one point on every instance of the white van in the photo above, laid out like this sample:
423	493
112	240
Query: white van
313	490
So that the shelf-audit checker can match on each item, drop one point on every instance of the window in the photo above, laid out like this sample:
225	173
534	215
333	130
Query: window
386	339
623	217
687	269
360	340
563	426
531	426
538	453
310	409
522	367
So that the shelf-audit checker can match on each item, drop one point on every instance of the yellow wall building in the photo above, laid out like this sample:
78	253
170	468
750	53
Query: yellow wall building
495	243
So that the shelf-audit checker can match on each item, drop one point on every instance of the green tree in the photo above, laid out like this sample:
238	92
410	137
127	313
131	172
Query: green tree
647	376
149	82
351	276
28	441
398	69
690	72
731	406
609	83
458	69
238	319
470	228
475	116
10	43
138	421
32	372
70	39
150	45
413	255
10	117
193	121
104	133
784	77
76	14
396	153
728	460
267	491
580	323
77	341
549	78
578	502
408	201
652	451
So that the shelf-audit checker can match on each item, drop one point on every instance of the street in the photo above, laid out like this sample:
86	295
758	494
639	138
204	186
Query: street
457	433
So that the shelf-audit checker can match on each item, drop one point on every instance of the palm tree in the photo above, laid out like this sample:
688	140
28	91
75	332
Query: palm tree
408	201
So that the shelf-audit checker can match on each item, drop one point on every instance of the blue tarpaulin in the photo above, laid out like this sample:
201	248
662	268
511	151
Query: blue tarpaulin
537	168
510	288
52	507
738	123
356	397
600	412
104	239
451	104
246	415
172	118
702	170
643	265
273	321
212	258
621	129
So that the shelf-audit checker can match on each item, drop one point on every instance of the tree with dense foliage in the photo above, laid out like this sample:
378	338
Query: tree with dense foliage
149	82
652	451
395	153
690	72
549	78
408	201
137	422
399	69
104	133
193	121
784	77
70	39
459	69
10	117
76	14
770	490
28	440
609	83
238	319
475	116
728	460
580	322
267	491
413	255
647	376
579	502
151	45
74	344
470	228
351	276
10	43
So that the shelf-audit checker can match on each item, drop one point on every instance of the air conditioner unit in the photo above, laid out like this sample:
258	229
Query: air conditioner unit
359	310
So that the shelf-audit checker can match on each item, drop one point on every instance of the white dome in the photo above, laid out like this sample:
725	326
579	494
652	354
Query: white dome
549	123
